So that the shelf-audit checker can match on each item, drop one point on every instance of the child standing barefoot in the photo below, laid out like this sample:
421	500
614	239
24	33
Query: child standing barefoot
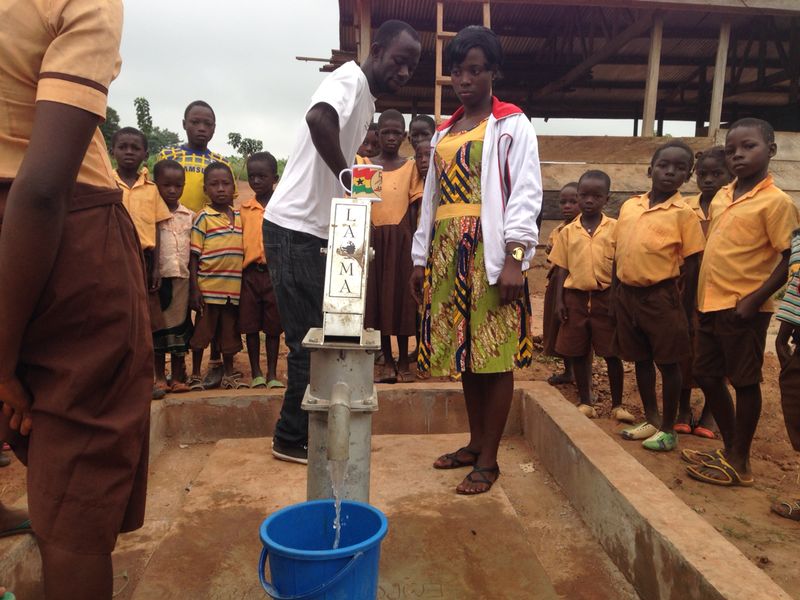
712	174
174	235
215	269
390	307
568	201
258	309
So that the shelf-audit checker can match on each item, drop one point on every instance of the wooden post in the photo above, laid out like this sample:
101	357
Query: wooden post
437	91
487	14
364	15
651	86
718	83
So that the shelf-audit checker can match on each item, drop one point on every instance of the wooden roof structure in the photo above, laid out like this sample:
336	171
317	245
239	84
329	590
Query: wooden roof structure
703	61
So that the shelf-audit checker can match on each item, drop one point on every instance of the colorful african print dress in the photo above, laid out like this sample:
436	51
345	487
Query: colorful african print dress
464	326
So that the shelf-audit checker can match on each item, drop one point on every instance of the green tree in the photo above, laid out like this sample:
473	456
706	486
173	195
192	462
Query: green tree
157	137
245	147
110	126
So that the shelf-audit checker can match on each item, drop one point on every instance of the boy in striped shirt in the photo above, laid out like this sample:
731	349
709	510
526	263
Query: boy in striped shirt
215	271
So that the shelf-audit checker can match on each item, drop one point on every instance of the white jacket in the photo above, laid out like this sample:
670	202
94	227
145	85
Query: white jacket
511	189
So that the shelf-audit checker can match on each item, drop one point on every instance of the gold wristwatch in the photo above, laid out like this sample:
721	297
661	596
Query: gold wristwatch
517	253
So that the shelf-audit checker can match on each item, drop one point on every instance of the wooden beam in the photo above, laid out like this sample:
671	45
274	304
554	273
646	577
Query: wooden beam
651	83
364	13
631	32
487	14
718	82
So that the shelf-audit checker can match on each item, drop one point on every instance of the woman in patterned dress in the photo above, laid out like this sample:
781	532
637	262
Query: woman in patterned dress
476	236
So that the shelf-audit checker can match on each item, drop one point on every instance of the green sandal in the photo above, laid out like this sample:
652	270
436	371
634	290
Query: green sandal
275	384
477	476
661	441
258	382
455	462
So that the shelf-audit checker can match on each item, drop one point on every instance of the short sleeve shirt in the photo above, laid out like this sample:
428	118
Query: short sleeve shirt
400	188
173	249
64	51
745	241
652	242
302	199
588	258
252	220
789	307
145	206
218	245
694	204
194	166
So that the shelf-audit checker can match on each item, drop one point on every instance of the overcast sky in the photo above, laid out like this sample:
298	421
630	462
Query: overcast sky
239	56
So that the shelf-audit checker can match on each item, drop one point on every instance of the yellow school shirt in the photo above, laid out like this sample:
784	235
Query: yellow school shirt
194	165
694	204
145	206
745	241
652	243
65	52
252	214
588	258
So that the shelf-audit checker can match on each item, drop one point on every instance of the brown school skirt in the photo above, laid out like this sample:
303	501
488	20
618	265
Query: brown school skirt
87	361
550	321
390	307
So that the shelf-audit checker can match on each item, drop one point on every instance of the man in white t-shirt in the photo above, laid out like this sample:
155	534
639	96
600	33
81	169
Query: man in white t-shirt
297	218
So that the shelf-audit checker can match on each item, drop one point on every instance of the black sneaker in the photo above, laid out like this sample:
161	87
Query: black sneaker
297	453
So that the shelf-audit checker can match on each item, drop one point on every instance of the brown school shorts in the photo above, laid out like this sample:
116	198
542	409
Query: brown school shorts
589	324
651	323
87	360
790	397
218	322
729	347
258	308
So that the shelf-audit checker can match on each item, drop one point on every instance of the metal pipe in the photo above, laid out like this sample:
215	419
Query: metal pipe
339	423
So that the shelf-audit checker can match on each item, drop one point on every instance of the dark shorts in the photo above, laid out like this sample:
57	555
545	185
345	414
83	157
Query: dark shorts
651	324
729	347
220	323
87	360
790	398
258	308
589	324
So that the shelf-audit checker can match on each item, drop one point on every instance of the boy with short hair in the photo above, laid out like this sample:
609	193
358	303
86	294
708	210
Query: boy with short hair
258	308
175	234
658	237
421	130
215	268
199	123
583	254
369	147
745	263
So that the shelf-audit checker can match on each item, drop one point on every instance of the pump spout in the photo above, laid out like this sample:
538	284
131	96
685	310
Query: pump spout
339	423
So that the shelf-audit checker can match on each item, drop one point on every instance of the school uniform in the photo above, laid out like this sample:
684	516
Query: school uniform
217	243
694	203
86	355
550	320
745	242
175	232
147	209
587	289
258	307
789	380
390	308
651	245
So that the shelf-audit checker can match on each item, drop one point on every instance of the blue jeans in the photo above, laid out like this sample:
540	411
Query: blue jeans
297	269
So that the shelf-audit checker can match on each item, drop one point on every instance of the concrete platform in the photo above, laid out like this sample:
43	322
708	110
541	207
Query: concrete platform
439	545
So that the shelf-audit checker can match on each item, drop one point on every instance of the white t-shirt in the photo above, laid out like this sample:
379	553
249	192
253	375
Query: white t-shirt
302	199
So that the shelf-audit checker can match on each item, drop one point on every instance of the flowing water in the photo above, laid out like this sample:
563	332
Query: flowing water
337	469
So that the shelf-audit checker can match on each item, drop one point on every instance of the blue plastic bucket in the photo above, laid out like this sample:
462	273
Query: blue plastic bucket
299	540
